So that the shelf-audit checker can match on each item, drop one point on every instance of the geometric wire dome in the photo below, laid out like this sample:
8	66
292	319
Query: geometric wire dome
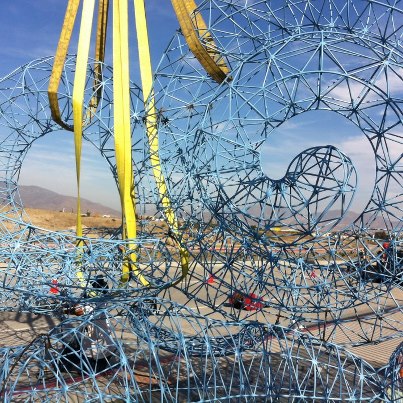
285	303
287	59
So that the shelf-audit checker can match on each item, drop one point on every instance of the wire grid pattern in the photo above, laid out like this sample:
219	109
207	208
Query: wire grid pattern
278	294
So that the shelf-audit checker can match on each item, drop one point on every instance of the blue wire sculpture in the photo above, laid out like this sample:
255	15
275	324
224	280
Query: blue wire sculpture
281	299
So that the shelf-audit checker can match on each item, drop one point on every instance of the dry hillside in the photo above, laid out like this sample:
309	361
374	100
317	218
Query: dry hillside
55	220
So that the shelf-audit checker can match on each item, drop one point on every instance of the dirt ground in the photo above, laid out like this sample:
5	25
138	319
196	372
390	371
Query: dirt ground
55	220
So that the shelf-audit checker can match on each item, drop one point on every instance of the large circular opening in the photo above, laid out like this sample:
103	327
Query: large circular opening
48	188
321	128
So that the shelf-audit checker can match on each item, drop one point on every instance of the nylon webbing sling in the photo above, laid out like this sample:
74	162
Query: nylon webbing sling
60	58
122	130
102	24
152	131
78	100
191	24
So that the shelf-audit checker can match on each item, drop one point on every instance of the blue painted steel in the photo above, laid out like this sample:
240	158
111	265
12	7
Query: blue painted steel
282	296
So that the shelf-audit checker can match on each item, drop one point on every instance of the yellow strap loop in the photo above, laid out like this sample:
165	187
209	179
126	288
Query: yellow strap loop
205	36
193	26
151	127
59	61
122	131
60	58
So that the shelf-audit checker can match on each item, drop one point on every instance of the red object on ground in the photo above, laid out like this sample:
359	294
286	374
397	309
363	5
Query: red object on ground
211	279
78	310
386	245
54	289
312	274
250	302
253	303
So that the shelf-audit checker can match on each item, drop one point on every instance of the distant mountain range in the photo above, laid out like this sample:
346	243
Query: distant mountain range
351	216
40	198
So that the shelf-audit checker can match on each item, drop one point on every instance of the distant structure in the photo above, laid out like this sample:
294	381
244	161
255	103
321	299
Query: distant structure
245	290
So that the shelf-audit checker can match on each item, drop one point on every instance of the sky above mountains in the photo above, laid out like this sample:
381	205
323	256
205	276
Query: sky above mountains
30	29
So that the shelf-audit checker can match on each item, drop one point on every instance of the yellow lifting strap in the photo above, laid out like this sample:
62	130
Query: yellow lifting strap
151	127
122	130
78	101
60	58
193	28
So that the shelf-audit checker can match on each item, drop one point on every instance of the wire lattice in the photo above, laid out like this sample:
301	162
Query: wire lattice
282	301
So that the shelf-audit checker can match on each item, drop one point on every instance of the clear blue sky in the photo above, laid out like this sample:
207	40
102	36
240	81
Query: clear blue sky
30	29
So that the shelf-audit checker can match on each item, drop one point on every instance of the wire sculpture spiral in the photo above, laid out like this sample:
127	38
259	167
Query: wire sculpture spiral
282	300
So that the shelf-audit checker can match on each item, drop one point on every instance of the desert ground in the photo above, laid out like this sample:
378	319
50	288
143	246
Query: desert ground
57	220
